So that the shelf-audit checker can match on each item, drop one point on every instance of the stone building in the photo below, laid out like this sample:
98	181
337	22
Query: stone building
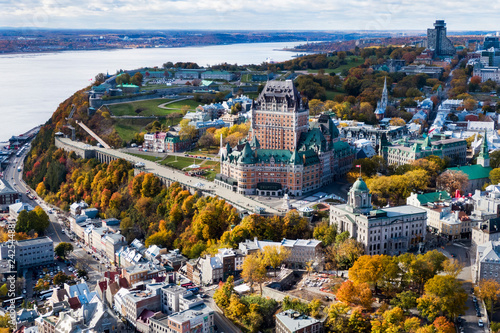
478	174
390	231
487	263
285	153
438	42
376	135
406	153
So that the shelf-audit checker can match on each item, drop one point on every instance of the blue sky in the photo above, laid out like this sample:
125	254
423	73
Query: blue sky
251	14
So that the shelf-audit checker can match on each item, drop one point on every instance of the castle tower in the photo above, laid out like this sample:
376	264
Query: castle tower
359	199
279	116
484	156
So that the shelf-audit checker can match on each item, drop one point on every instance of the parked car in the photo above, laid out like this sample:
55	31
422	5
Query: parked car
480	323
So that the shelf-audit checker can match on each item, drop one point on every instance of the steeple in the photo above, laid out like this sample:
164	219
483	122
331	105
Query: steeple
484	156
385	98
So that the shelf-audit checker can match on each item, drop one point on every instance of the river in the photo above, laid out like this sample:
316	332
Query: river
33	85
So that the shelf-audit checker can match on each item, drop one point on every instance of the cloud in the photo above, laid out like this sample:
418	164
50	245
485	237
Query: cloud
251	14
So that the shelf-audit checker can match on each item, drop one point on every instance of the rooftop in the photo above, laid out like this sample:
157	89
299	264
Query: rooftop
475	171
190	314
294	321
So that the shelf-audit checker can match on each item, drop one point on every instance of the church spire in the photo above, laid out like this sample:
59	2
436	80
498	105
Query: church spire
484	155
385	98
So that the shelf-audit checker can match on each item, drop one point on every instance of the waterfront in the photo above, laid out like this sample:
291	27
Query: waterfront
33	85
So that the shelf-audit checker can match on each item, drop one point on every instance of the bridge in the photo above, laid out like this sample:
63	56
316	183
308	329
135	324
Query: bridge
167	175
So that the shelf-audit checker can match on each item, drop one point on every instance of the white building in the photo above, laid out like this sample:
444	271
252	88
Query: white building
487	203
34	252
302	251
389	231
485	232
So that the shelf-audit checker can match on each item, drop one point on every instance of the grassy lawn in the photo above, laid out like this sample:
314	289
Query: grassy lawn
140	108
147	157
126	128
179	162
485	97
212	152
349	65
178	105
331	94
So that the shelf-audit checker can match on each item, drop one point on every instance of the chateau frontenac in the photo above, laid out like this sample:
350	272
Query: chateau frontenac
285	152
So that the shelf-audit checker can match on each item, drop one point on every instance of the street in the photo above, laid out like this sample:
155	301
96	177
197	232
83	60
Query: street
461	252
79	255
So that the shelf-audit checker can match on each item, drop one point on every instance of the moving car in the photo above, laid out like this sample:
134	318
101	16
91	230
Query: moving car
480	323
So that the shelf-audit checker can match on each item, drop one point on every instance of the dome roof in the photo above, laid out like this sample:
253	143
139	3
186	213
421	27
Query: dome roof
359	185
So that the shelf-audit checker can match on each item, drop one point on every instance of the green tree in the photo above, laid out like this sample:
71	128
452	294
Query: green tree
495	176
405	300
61	278
63	249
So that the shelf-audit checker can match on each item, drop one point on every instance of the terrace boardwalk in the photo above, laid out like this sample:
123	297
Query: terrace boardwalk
166	175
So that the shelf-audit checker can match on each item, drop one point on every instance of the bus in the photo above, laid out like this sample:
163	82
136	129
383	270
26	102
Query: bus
18	301
43	295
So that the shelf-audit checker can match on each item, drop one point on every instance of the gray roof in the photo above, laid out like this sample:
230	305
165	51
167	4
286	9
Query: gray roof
5	188
294	321
187	315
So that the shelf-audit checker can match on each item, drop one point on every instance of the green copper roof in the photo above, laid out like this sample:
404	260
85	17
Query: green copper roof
295	159
254	143
246	156
312	139
474	171
359	185
433	197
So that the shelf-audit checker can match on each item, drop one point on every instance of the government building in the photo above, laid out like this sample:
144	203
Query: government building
390	231
455	150
284	151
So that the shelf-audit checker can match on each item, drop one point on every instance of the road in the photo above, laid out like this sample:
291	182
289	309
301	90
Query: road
461	252
223	324
79	255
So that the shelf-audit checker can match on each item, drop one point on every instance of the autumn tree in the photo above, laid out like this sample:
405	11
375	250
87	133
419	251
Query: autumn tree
489	291
452	180
443	295
274	256
254	270
391	321
453	267
495	176
355	295
397	122
61	278
442	325
187	131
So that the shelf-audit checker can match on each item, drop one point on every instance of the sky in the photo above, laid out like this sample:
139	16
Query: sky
251	14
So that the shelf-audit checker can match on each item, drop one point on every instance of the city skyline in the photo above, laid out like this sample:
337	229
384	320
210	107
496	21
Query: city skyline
257	15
